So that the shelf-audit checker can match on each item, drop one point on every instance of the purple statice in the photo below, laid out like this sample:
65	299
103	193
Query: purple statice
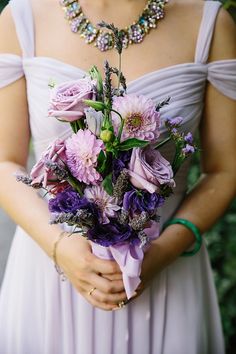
188	150
120	163
70	201
174	122
112	234
188	138
137	202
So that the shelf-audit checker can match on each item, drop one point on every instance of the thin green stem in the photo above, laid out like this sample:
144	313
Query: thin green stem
158	145
122	122
119	74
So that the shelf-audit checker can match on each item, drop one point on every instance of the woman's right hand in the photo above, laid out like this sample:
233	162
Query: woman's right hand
86	271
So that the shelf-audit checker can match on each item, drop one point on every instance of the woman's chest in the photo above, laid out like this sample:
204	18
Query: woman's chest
172	42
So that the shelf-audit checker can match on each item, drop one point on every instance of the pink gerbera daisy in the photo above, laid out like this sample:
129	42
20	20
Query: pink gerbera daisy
82	150
141	120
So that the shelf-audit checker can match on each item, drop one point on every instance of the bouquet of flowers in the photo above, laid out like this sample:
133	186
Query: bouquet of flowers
108	178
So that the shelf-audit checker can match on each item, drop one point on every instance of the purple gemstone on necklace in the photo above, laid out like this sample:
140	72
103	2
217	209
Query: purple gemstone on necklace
77	22
105	41
136	34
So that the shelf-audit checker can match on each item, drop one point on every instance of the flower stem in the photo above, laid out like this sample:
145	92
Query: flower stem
119	73
122	122
163	142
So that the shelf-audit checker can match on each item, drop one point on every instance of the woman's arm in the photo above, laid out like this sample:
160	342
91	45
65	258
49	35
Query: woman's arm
217	186
24	205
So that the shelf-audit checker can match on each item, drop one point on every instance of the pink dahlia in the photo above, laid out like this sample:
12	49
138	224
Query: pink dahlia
142	121
82	150
107	204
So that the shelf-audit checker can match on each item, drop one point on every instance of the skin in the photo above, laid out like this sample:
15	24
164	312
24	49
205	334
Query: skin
206	202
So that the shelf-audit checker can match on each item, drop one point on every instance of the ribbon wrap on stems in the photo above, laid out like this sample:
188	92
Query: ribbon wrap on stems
129	258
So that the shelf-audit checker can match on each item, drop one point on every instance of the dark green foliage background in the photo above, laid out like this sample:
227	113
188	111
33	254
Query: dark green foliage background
221	245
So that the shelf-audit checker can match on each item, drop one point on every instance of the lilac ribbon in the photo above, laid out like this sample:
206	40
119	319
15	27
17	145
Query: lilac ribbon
129	258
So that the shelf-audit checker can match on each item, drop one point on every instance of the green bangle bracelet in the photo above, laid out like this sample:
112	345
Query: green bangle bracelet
195	230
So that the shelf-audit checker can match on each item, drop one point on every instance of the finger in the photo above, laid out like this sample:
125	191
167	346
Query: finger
105	285
94	302
117	276
104	266
112	299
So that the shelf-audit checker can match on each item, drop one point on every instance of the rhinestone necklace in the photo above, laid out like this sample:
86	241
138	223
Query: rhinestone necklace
104	40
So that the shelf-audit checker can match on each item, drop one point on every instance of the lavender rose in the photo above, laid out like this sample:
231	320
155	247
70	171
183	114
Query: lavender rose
149	170
66	101
40	173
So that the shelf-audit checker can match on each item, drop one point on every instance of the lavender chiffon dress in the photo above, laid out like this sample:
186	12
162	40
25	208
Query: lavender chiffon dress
178	313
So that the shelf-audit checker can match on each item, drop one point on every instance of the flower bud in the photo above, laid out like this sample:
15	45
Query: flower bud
106	135
99	106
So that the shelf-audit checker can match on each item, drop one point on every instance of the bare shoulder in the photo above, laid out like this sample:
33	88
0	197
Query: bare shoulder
224	44
8	38
186	16
187	8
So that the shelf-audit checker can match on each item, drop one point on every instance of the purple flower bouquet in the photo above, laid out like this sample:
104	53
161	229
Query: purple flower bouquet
108	178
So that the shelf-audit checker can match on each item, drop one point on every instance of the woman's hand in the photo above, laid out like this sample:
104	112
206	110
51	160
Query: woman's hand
84	270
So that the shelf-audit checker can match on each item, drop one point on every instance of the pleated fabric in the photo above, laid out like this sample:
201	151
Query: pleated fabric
178	313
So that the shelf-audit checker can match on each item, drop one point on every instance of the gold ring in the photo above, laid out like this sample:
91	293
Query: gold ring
121	304
90	291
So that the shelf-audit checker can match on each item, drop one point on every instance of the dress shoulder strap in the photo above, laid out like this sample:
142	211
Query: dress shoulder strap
23	19
206	30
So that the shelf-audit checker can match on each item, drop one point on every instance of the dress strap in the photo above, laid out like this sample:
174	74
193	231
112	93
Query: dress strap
206	30
23	19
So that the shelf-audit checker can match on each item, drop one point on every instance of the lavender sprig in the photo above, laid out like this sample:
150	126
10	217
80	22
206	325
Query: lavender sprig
107	89
122	77
116	33
121	184
118	40
162	104
82	217
138	222
27	180
24	179
60	172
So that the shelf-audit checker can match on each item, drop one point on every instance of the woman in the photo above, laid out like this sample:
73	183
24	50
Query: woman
175	310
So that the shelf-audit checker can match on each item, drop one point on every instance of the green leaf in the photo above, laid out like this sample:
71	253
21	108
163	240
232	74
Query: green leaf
132	143
107	184
102	159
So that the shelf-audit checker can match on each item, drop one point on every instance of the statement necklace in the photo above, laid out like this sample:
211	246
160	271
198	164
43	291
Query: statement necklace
104	40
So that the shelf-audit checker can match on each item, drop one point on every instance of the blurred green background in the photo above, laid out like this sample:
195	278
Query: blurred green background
221	246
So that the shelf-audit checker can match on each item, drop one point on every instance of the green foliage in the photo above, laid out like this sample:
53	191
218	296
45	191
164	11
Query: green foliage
132	143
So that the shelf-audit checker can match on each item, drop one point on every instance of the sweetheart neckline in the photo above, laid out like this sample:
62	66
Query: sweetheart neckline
131	82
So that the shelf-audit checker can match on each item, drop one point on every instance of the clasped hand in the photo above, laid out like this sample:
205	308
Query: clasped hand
86	272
